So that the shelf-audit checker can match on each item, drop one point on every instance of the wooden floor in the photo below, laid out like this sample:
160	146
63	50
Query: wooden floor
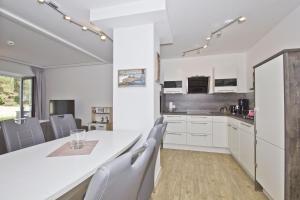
188	175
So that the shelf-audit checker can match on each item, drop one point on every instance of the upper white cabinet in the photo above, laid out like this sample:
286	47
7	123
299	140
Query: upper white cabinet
219	66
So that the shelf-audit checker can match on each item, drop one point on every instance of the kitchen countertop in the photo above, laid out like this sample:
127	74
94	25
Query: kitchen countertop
249	121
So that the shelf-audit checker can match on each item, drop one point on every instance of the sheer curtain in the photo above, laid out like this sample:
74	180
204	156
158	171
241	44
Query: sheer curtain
39	93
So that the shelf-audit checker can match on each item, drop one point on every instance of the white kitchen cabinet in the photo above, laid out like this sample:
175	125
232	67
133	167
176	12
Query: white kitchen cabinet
246	136
199	139
220	134
200	127
270	168
235	142
175	138
270	126
176	129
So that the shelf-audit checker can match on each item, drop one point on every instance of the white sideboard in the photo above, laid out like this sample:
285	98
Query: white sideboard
220	134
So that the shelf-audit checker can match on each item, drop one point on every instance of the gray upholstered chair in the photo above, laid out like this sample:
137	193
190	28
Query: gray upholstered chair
121	178
159	120
147	185
18	136
62	125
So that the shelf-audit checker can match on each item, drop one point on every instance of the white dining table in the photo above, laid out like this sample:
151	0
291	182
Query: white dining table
29	174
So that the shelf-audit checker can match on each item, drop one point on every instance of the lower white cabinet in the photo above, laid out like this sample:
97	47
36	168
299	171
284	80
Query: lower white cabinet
270	168
199	139
220	134
235	142
176	129
175	138
247	150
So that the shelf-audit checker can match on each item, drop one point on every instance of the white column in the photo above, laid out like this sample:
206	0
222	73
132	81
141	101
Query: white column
134	108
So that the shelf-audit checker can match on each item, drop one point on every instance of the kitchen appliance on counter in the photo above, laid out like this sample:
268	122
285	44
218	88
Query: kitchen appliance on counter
173	87
243	106
198	84
233	109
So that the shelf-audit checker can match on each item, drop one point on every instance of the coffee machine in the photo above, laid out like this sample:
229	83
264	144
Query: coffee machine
243	106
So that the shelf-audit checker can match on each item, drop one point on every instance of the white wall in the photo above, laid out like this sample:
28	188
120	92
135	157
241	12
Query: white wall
285	35
88	85
226	64
134	48
11	68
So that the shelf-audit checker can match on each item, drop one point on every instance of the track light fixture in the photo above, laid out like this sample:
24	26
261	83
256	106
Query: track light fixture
91	28
66	17
217	33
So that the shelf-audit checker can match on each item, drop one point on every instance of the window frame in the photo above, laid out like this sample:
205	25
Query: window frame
22	79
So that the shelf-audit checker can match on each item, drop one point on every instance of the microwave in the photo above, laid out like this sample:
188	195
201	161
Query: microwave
225	85
198	84
173	87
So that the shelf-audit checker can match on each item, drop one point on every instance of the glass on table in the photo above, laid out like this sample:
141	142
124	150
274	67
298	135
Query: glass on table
77	138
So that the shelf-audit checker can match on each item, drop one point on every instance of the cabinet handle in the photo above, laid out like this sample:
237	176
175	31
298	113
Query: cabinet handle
234	128
175	122
199	134
199	123
174	133
202	117
249	126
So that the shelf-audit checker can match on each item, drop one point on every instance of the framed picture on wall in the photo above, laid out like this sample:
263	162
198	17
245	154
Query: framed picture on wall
157	68
132	78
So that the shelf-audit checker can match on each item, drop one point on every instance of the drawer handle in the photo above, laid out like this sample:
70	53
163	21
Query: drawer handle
199	134
246	125
199	117
199	122
175	122
174	134
234	128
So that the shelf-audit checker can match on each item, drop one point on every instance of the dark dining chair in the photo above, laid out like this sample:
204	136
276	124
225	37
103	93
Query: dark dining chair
121	178
18	136
62	125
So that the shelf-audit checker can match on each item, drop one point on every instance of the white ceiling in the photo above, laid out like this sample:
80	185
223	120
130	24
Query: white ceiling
37	49
190	22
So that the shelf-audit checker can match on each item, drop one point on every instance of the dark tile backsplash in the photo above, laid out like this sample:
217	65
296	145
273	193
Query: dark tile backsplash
208	102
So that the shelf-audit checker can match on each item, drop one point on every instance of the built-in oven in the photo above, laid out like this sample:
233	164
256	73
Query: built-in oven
173	87
198	84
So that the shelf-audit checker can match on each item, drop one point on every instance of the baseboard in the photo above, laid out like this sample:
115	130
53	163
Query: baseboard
196	148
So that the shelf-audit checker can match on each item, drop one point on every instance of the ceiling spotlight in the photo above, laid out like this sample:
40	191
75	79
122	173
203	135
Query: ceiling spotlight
205	46
66	17
208	38
41	1
242	19
103	37
10	43
84	28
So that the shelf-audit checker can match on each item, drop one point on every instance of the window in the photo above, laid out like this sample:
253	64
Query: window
16	97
